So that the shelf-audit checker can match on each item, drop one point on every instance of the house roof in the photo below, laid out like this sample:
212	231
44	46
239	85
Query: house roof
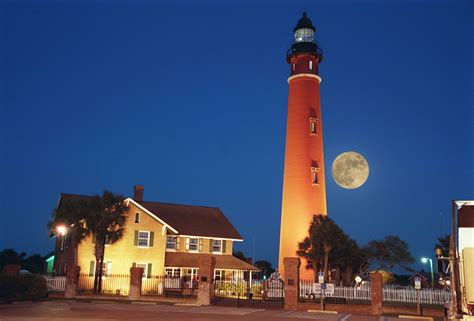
189	220
228	262
194	220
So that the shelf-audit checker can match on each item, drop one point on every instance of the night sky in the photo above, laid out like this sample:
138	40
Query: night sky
189	99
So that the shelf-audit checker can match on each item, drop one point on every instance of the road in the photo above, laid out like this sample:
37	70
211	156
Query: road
99	311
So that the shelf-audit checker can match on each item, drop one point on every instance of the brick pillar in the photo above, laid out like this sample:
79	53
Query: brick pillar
376	292
136	274
11	269
292	282
72	276
206	267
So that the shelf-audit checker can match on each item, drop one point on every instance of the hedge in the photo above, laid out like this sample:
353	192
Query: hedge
22	287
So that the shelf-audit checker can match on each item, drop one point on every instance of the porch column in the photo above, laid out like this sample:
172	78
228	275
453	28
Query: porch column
376	293
292	282
72	276
207	263
136	274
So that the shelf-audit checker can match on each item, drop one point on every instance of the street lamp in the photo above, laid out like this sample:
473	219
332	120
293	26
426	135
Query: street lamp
61	230
425	260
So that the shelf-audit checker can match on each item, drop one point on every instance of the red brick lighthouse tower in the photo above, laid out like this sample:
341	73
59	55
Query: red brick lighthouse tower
304	192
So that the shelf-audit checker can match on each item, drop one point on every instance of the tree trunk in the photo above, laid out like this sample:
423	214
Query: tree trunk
325	269
327	249
347	276
101	267
98	267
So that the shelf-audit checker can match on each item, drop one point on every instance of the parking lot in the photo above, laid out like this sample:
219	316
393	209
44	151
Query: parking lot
98	311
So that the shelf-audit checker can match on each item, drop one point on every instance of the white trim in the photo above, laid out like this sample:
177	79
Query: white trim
304	75
462	203
128	200
209	237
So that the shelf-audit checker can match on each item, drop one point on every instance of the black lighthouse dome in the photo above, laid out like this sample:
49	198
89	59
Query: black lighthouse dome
304	22
304	39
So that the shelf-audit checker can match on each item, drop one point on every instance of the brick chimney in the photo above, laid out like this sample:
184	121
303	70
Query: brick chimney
138	193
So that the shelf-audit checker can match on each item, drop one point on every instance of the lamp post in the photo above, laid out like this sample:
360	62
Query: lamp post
425	260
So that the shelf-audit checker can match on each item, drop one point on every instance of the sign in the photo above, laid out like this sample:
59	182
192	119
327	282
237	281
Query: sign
320	277
417	280
316	288
329	289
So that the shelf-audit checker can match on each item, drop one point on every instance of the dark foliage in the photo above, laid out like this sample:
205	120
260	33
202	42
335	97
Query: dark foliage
22	287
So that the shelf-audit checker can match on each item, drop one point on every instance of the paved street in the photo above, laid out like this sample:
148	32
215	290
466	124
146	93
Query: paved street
70	311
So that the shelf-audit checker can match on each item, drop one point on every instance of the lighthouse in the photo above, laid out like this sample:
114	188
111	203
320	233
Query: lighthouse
304	191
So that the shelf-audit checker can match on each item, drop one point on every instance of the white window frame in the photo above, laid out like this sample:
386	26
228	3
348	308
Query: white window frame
175	272
147	242
189	244
145	268
220	246
175	243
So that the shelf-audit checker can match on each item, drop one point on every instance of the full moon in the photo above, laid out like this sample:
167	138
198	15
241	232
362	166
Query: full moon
350	170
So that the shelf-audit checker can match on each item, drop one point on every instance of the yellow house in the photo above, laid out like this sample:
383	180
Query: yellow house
165	239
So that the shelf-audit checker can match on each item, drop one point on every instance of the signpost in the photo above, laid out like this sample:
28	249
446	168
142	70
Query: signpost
417	280
320	277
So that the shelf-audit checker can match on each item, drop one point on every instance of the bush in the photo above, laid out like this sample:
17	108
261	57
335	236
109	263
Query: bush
24	287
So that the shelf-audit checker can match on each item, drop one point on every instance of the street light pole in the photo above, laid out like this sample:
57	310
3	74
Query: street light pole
425	260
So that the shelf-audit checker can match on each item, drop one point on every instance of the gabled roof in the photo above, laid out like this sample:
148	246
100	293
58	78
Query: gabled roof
188	220
194	220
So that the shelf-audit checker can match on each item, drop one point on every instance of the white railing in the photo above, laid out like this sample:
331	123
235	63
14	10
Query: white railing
55	283
409	295
311	290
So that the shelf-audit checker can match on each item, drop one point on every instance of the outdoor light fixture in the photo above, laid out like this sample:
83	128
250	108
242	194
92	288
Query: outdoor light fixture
425	260
358	279
61	230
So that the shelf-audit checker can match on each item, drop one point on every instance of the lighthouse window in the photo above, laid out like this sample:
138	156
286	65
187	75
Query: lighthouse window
293	67
304	35
310	65
314	176
312	126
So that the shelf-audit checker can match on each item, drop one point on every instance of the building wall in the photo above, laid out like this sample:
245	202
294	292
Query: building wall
124	253
205	245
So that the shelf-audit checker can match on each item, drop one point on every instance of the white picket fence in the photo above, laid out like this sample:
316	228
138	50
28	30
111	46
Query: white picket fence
409	295
55	283
392	294
308	290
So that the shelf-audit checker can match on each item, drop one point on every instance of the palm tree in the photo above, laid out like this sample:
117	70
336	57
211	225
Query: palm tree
103	217
106	221
324	236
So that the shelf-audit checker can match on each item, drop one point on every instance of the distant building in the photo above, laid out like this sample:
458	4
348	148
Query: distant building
162	238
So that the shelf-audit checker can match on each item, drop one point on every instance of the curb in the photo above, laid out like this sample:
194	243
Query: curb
323	311
415	317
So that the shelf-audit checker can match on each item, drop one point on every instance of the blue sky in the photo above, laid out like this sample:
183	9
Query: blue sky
189	99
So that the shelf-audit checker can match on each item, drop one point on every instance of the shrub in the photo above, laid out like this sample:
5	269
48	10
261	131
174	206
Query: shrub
23	287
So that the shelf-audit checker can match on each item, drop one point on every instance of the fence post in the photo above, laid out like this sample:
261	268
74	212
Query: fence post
136	274
205	292
376	293
72	276
291	271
